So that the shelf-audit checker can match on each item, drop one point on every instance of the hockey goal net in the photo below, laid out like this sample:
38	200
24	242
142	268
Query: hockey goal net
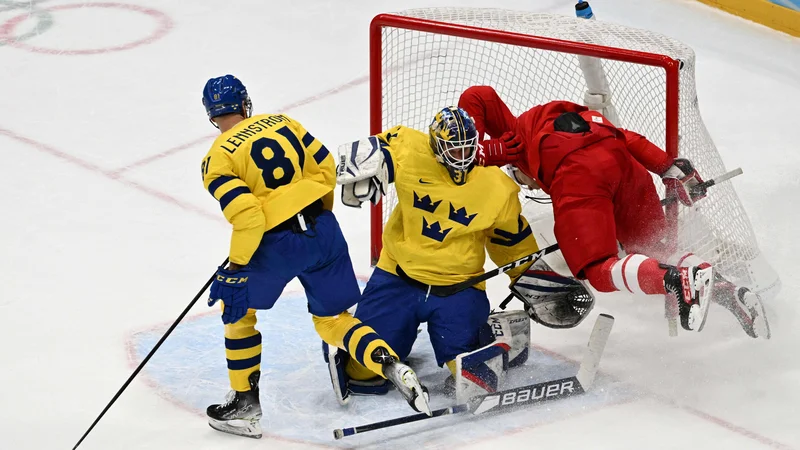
422	59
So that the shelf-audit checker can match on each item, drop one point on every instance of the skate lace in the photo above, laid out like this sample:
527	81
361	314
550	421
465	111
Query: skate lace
229	399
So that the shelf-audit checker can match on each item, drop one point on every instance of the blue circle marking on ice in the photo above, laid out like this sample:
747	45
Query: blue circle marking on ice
297	398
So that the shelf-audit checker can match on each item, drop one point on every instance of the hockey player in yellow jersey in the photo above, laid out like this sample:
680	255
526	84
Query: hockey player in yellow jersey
449	212
274	183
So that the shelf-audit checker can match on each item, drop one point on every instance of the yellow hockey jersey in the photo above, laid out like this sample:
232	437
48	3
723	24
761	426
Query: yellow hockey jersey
263	171
438	230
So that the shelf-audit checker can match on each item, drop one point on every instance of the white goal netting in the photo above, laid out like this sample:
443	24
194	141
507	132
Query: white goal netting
425	71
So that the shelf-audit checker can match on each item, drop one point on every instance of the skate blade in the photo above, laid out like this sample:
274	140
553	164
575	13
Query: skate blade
760	323
245	428
421	395
706	295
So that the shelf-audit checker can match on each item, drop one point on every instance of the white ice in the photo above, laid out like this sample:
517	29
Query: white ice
107	232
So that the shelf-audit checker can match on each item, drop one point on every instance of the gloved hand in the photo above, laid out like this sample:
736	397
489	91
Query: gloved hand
507	149
230	286
683	181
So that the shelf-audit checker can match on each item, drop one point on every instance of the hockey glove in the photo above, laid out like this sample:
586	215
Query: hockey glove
498	152
230	286
683	181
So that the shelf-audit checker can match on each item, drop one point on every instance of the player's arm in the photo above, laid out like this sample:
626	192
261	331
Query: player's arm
679	175
366	167
511	237
492	116
648	154
240	207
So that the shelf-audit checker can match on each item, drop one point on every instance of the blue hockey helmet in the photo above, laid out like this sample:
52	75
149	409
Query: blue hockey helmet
226	95
454	140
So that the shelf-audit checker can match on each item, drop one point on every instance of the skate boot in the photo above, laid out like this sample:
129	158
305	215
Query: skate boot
693	289
745	305
240	413
404	379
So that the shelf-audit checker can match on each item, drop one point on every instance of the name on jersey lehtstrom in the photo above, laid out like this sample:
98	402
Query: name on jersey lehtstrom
259	125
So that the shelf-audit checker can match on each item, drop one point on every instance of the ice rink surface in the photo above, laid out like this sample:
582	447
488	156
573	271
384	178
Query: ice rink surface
107	234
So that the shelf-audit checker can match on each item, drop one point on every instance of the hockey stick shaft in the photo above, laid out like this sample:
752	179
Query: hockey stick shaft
344	432
521	396
533	257
149	355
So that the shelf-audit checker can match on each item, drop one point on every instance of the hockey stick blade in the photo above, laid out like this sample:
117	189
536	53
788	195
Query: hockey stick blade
707	184
516	397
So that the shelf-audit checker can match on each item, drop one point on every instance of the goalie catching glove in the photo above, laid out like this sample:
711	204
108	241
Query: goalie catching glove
365	170
683	181
550	299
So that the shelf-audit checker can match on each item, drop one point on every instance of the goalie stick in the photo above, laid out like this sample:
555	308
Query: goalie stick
518	397
444	291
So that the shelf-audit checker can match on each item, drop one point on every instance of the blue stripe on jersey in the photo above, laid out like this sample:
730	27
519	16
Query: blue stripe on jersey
216	184
321	154
244	343
241	364
308	139
362	347
387	157
231	195
349	334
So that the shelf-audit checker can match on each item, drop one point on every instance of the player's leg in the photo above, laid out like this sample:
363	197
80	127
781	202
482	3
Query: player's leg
455	323
390	306
745	305
332	288
587	191
269	274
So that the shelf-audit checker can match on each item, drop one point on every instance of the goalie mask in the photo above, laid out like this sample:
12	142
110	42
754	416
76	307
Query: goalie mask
454	140
550	299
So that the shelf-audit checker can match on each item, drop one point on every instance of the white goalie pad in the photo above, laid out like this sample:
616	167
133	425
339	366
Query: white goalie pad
482	371
514	327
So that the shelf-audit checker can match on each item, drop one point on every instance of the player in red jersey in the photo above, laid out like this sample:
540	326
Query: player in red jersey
597	176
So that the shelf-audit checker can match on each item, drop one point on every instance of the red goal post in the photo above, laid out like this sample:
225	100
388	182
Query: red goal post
422	59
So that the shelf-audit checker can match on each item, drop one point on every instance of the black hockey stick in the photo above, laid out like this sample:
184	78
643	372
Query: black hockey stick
443	291
149	355
517	397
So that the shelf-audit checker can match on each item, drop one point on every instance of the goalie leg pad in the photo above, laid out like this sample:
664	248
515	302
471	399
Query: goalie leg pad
344	386
517	326
481	371
336	360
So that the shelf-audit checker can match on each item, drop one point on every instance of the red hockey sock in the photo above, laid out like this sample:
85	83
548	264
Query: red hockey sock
636	274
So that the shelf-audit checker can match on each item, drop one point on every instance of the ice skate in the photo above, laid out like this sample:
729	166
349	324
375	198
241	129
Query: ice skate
693	290
745	305
240	413
404	379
